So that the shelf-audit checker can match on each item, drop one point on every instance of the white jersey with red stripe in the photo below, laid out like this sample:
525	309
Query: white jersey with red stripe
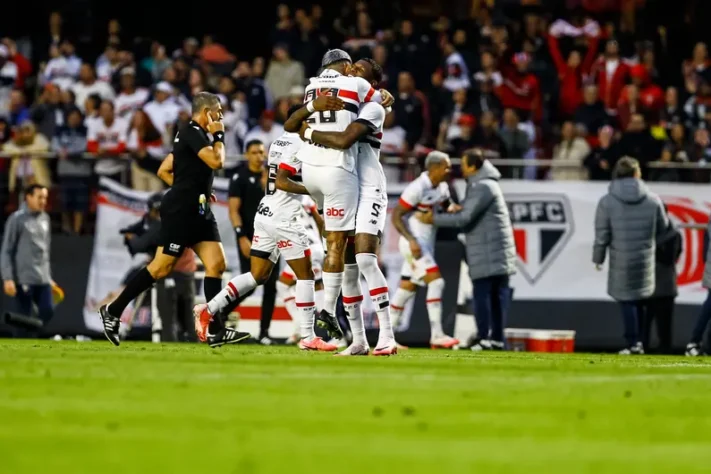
353	91
421	195
370	171
277	204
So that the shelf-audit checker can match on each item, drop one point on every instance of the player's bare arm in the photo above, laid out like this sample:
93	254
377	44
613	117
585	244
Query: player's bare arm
320	104
234	205
340	140
398	220
285	183
318	219
214	156
165	172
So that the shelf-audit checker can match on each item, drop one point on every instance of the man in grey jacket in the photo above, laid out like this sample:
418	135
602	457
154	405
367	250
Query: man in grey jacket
491	252
24	256
629	220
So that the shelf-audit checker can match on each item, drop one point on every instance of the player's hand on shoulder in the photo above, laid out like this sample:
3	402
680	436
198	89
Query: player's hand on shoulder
388	99
214	125
327	102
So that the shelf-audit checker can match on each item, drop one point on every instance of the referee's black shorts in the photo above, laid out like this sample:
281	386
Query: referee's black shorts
180	230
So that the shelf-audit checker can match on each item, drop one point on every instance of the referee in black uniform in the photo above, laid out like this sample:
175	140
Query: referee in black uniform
186	217
246	191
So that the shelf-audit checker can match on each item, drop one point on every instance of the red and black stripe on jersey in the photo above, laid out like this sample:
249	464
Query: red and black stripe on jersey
374	138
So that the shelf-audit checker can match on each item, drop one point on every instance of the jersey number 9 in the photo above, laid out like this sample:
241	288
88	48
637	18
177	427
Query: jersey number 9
323	116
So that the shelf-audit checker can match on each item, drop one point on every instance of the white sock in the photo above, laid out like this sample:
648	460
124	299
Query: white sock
397	305
319	300
434	306
378	286
332	283
239	285
352	300
285	293
306	307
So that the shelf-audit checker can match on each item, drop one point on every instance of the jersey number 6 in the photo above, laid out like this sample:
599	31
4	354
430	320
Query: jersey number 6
324	116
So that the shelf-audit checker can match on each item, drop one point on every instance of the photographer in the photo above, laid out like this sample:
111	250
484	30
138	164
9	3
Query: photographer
176	293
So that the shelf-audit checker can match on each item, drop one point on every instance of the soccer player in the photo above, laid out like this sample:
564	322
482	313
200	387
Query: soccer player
186	217
330	174
286	284
367	131
417	241
278	232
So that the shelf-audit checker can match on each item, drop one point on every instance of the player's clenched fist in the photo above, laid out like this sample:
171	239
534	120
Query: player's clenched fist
388	99
327	102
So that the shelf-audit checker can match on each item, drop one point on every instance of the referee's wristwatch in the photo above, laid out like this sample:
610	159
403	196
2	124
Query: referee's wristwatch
238	233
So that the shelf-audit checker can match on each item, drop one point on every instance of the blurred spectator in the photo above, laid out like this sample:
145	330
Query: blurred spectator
189	51
266	131
411	110
700	152
54	36
283	73
309	47
691	69
27	167
487	137
410	52
672	113
63	66
8	79
106	137
48	111
131	98
450	128
91	109
638	143
382	57
24	67
88	85
487	81
147	149
108	64
465	138
394	141
570	152
162	110
73	171
602	159
630	104
457	72
258	98
196	81
651	95
571	73
699	103
158	62
283	30
516	141
18	108
214	52
675	151
521	90
610	74
591	115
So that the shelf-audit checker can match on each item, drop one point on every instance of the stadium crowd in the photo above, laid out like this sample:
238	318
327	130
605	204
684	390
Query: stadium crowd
583	87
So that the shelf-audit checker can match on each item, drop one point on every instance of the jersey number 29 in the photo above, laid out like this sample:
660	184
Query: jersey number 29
324	116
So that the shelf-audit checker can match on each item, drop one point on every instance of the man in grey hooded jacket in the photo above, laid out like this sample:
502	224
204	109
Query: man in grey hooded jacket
629	220
491	253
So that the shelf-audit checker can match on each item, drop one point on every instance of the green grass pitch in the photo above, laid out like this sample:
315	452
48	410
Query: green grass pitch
68	407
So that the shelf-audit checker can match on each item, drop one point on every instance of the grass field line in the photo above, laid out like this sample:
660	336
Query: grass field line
309	374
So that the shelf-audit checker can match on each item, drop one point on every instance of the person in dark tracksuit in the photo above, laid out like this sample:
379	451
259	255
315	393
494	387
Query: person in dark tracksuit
490	249
629	220
24	256
660	307
695	346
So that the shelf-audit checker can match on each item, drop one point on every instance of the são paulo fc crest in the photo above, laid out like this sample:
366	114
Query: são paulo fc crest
543	225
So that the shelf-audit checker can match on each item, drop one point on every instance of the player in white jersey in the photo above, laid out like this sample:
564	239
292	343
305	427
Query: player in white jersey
330	174
427	191
286	285
366	130
277	231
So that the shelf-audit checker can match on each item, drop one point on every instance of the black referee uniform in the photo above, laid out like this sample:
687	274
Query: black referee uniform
186	220
248	187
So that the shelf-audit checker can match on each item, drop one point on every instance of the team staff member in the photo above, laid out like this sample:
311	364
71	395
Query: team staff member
629	220
186	218
24	255
246	191
491	253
